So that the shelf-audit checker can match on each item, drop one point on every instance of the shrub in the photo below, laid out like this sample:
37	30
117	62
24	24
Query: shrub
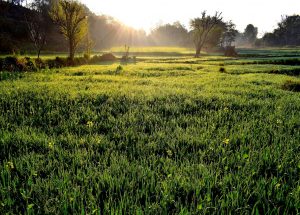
95	59
222	69
230	51
40	64
10	64
293	86
61	62
30	64
108	57
87	56
104	57
14	64
118	70
80	61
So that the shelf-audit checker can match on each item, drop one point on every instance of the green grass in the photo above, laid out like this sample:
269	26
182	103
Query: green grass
162	136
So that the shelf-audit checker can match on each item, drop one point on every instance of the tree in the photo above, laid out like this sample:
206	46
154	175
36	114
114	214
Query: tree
169	34
202	27
250	34
37	31
229	35
286	34
71	17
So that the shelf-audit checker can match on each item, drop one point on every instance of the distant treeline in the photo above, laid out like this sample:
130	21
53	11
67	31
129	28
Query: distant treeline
286	34
105	31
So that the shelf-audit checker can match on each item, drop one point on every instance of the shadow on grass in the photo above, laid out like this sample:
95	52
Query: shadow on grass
292	72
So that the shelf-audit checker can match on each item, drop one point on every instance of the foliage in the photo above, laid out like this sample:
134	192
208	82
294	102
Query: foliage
229	34
286	34
104	57
170	35
202	27
71	17
248	38
250	34
14	64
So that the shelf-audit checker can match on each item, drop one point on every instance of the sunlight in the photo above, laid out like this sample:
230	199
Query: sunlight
148	14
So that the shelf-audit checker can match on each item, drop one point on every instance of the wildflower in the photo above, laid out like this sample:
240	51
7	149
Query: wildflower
90	124
10	165
81	141
169	152
278	121
226	141
51	145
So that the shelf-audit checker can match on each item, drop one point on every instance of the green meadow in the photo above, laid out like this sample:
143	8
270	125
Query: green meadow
167	134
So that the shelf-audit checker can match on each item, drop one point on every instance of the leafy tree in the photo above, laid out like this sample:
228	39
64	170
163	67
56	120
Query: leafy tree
286	34
229	35
71	17
202	27
250	34
215	36
169	34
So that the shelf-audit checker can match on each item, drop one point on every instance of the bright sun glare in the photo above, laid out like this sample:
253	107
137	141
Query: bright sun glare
147	14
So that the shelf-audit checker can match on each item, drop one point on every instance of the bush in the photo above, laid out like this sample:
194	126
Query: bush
108	57
222	69
40	64
293	86
87	56
80	61
14	64
30	65
230	51
61	62
104	57
119	69
10	64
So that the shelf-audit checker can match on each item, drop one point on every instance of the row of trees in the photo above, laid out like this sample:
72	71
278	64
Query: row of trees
103	30
73	17
286	34
77	23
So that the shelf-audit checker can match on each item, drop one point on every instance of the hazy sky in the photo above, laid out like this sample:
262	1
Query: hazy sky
146	14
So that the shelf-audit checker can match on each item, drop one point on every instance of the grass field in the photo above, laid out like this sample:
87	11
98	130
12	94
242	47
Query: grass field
172	135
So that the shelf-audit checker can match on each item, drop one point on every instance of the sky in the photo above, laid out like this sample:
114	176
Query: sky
146	14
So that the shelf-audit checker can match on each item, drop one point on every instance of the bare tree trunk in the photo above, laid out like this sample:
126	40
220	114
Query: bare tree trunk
198	51
39	52
71	51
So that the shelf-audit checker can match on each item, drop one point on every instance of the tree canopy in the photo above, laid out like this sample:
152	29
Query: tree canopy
287	32
202	27
72	20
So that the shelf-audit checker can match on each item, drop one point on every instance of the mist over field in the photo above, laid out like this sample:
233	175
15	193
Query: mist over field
116	114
